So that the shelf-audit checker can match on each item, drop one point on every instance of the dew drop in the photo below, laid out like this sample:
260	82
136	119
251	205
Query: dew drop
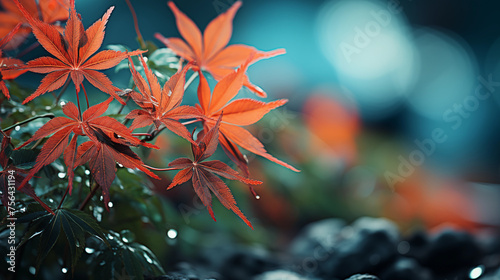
120	165
89	250
148	259
61	175
62	103
110	204
257	197
172	233
32	270
64	270
17	128
127	236
476	272
21	110
87	172
47	108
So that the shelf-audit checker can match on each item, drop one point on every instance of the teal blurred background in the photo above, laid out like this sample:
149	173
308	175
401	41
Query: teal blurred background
394	109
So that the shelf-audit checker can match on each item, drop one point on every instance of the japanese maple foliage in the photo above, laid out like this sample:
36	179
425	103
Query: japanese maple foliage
237	113
210	51
203	174
89	137
110	141
160	106
73	54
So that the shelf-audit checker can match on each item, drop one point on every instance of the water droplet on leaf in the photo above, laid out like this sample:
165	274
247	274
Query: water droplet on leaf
172	233
127	236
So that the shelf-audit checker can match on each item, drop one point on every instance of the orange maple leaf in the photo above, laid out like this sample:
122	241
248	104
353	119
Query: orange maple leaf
73	53
160	106
7	62
49	11
210	51
203	173
237	113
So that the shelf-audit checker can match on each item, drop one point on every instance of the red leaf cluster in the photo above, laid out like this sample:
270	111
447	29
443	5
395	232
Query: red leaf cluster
73	54
110	142
209	52
160	106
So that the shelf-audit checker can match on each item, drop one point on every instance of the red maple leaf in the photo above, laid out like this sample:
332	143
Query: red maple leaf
48	11
10	176
203	174
160	106
210	51
101	157
100	130
7	62
237	113
73	53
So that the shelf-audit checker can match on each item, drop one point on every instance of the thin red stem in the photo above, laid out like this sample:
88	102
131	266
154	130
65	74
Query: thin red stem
78	102
190	122
86	97
160	169
62	199
141	134
136	25
89	196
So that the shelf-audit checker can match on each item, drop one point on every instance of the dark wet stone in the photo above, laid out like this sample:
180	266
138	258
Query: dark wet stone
321	234
418	243
241	262
407	269
328	249
451	250
363	277
367	246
